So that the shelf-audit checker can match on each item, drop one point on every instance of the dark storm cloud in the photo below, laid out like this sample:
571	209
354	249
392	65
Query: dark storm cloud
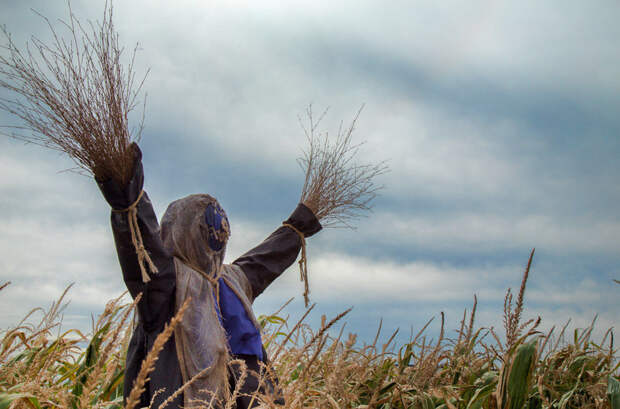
499	121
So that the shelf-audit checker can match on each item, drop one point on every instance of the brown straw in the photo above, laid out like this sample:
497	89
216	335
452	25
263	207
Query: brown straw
303	263
74	94
136	238
337	188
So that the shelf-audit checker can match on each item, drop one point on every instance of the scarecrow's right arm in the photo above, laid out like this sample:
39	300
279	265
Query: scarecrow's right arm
157	303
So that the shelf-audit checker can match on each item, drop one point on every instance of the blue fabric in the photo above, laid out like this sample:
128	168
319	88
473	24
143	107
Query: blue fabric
243	337
214	216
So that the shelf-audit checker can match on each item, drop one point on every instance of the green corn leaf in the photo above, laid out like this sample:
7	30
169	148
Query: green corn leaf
297	372
387	388
6	399
116	404
91	355
34	402
115	387
514	386
263	320
480	396
613	391
566	397
405	359
534	403
427	401
488	378
578	363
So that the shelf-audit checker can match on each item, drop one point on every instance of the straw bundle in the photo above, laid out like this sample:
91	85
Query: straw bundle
74	95
336	188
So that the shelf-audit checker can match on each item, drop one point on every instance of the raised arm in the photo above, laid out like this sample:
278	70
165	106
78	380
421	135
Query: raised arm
265	262
157	301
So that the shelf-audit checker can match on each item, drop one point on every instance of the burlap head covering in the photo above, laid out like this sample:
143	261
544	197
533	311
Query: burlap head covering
187	235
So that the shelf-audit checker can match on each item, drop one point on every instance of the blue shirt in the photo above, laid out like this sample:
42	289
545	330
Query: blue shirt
243	337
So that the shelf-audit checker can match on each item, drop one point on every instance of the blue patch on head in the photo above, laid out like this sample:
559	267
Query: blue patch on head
217	224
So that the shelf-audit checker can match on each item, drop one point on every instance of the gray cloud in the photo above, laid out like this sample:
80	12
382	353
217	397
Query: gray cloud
499	122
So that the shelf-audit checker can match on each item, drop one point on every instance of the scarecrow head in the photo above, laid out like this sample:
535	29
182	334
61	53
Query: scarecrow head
195	229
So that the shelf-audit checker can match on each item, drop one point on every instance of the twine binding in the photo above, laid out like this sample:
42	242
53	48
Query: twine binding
136	239
213	279
303	263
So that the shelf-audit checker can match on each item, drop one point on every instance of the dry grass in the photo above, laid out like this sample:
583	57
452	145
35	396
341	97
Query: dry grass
318	369
512	315
336	188
74	95
44	366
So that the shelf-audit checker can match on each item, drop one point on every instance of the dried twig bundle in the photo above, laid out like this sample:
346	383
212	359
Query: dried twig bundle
74	95
336	188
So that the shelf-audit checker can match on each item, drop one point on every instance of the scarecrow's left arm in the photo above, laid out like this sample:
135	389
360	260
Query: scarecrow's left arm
265	262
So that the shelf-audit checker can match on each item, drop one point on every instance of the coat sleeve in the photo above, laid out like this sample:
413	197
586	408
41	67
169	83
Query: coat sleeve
265	262
157	303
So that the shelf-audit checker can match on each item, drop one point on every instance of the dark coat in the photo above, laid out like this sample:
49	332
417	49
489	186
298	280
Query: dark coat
261	266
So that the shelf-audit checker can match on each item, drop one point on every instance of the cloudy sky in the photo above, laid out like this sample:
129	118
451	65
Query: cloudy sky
499	120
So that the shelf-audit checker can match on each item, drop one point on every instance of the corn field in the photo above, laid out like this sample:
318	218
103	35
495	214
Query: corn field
320	369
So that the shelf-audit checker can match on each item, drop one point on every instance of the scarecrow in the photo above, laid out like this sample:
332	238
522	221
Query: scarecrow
77	99
183	259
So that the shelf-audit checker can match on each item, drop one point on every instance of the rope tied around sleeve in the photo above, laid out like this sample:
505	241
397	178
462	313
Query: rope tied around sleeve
303	263
136	239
